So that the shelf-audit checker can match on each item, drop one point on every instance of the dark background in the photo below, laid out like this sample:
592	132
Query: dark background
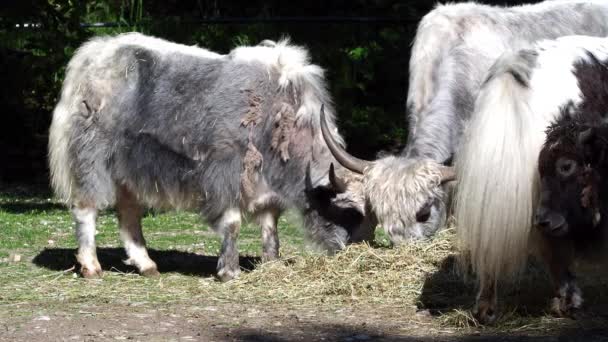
364	46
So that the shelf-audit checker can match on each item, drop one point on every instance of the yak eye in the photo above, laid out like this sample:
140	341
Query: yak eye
424	213
566	167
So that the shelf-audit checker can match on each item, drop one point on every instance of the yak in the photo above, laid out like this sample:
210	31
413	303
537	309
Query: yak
498	186
143	122
572	207
453	50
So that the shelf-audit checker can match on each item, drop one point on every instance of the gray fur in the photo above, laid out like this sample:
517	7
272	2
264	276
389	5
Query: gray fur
169	127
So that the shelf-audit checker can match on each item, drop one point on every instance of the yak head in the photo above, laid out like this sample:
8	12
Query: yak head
569	166
337	214
406	196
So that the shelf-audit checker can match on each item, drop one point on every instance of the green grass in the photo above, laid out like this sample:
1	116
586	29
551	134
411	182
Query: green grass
28	224
33	225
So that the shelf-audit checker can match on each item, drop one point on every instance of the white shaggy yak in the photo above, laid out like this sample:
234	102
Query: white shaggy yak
496	167
454	48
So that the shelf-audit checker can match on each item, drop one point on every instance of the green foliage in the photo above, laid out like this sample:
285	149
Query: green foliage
366	63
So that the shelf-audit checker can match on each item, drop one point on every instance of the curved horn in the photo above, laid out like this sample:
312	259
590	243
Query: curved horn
448	174
344	158
337	183
585	136
307	179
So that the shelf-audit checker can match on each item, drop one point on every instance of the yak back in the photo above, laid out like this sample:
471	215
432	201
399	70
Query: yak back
175	128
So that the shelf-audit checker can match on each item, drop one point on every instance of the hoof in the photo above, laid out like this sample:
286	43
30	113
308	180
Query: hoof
90	273
150	273
267	257
225	275
564	308
485	314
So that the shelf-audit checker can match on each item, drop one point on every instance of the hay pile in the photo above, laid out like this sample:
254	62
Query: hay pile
360	274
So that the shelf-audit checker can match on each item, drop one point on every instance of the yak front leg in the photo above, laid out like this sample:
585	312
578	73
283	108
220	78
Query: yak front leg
558	254
270	237
85	217
487	300
228	264
129	213
568	296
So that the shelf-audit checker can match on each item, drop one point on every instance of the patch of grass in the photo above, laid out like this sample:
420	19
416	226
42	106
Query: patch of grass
396	281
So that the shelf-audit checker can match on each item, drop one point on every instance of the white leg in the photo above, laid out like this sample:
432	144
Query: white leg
129	213
270	236
229	226
85	217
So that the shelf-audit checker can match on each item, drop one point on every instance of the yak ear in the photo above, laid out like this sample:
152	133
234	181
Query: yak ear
338	184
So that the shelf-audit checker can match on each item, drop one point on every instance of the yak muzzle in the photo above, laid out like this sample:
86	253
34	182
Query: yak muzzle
550	223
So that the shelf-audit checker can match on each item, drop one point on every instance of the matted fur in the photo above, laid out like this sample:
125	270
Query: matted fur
496	166
297	75
164	120
291	62
454	47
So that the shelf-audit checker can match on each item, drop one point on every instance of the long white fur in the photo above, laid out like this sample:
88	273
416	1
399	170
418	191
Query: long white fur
496	165
292	63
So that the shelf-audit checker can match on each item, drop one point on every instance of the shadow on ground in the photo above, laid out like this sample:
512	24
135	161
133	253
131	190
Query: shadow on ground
354	334
30	207
111	259
447	289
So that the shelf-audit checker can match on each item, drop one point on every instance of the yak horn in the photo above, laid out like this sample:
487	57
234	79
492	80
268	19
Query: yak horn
307	179
448	174
338	184
344	158
585	136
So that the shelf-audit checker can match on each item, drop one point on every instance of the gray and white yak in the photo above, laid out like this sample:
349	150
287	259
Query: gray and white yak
498	188
143	122
454	47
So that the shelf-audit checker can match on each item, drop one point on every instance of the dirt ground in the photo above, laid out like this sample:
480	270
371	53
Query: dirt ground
233	322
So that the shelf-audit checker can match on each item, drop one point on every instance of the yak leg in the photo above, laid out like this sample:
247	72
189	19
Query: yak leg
228	264
486	307
85	216
270	236
129	213
558	254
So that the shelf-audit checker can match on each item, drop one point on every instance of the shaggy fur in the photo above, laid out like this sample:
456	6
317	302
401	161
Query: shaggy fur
382	194
496	166
454	48
182	127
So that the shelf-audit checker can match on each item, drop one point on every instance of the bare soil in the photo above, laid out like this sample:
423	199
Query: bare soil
234	322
